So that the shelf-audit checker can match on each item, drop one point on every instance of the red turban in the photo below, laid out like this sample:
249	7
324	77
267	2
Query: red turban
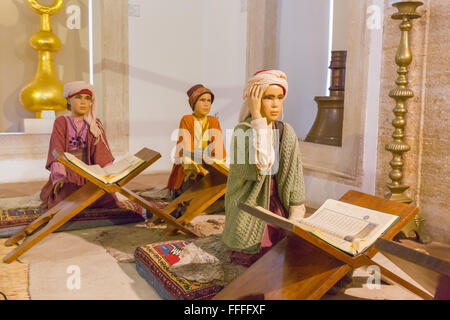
196	92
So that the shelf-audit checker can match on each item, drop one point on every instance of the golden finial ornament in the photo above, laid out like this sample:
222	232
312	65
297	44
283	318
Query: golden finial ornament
45	91
406	12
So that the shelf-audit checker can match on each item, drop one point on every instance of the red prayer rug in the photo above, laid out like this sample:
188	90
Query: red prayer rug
153	262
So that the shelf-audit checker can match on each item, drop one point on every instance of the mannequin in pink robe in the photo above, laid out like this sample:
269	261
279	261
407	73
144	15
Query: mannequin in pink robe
95	154
75	134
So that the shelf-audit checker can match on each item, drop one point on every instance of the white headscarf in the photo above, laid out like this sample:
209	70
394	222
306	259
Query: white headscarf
74	87
265	79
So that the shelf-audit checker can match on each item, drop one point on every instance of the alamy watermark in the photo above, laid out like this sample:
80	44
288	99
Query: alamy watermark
374	280
249	146
74	280
74	20
374	17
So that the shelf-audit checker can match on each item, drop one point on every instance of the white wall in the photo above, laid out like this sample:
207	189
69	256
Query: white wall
303	53
23	170
340	24
175	44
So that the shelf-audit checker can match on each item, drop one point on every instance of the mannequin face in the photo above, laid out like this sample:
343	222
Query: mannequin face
80	104
272	103
203	106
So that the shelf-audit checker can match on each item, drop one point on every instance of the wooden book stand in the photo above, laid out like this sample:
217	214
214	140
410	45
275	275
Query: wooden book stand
81	199
201	195
304	267
428	265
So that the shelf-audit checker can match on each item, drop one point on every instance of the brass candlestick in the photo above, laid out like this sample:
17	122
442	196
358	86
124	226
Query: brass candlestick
45	91
406	12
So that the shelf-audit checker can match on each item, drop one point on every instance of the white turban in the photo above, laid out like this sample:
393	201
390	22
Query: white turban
75	87
264	79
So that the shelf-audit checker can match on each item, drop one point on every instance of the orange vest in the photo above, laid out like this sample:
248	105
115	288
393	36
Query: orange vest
216	140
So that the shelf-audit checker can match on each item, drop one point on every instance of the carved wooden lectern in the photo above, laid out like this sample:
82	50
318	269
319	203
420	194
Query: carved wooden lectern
201	195
428	265
81	199
304	267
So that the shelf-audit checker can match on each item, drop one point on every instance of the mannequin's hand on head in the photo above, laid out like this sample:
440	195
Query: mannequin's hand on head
254	101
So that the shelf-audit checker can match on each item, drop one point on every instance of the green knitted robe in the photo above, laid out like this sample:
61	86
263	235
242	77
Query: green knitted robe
243	232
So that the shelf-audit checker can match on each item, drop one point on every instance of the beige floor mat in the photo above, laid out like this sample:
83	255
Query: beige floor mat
14	277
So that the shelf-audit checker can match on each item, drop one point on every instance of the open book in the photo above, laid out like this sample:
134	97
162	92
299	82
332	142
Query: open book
218	164
110	174
347	227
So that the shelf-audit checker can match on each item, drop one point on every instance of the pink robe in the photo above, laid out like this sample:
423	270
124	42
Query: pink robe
95	154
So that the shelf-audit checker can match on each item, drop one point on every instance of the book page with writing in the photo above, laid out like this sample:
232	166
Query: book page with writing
347	227
121	165
288	224
128	165
123	168
94	170
344	222
335	223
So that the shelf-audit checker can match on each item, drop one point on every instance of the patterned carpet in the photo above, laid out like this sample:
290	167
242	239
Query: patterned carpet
13	220
14	277
153	263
